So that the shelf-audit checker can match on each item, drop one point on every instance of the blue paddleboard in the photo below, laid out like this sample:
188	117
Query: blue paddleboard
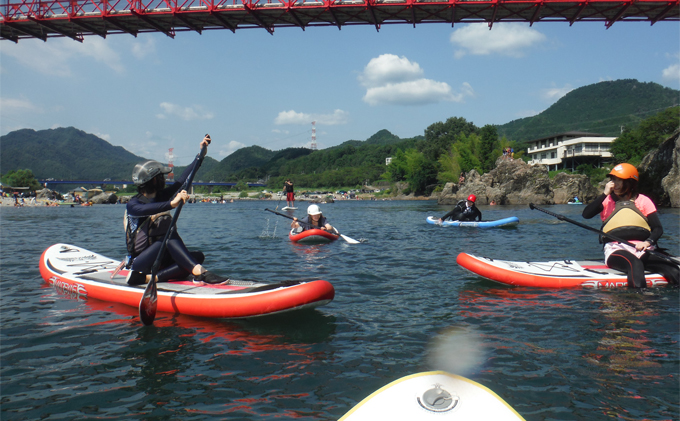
513	220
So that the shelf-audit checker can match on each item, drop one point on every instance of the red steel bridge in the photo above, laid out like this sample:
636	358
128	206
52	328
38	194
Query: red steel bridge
43	19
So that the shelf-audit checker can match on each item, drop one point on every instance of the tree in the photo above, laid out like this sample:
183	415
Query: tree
21	178
634	144
439	136
489	138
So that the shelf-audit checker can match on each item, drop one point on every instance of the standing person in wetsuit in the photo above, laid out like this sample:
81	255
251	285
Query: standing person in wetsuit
314	219
630	216
290	193
147	219
465	210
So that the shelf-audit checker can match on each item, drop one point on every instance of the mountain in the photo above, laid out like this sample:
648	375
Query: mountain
252	156
69	153
65	153
599	108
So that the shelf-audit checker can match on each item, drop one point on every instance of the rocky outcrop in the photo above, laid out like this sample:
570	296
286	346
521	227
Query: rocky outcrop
515	182
104	198
660	173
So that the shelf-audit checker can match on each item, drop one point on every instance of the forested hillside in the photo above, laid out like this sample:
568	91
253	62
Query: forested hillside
425	162
599	108
65	153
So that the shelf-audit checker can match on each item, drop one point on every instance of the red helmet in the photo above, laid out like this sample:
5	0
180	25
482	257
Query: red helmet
472	198
625	171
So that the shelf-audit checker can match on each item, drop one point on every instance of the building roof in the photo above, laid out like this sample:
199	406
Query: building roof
571	134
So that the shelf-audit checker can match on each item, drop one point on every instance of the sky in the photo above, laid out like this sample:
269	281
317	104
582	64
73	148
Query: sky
151	93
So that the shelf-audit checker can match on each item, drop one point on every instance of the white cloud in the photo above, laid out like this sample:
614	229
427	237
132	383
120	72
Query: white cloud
143	49
294	117
231	147
9	105
509	39
417	92
195	112
104	136
389	68
671	73
390	79
555	93
57	56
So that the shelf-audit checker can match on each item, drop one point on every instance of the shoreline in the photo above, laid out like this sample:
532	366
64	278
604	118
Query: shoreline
27	202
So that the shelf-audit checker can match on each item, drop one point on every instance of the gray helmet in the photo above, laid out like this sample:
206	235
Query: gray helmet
147	170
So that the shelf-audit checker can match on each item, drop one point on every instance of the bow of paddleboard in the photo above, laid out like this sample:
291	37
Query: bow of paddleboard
505	222
86	274
312	236
433	395
551	274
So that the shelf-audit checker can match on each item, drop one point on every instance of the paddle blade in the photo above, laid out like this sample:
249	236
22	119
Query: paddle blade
149	304
349	240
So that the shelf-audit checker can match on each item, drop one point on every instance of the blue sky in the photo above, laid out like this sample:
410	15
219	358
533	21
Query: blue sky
152	93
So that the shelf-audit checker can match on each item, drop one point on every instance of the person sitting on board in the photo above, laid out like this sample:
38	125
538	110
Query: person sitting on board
290	193
633	217
147	219
313	220
465	210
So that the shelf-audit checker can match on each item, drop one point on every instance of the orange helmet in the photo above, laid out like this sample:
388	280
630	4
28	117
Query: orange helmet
472	198
625	171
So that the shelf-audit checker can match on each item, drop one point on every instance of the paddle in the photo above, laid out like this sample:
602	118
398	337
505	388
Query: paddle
149	302
604	234
344	237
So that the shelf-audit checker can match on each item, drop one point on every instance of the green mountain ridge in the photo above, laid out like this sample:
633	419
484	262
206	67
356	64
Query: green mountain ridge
601	108
70	153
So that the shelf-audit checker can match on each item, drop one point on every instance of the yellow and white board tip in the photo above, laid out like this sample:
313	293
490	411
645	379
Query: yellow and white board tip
432	395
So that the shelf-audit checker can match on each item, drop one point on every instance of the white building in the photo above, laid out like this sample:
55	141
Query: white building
569	150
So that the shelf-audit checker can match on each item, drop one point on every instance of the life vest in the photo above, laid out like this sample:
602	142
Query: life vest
141	232
626	222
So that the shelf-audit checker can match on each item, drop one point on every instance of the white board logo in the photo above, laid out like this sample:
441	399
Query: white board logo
76	289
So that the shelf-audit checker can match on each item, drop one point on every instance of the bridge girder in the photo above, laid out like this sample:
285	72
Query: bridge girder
20	19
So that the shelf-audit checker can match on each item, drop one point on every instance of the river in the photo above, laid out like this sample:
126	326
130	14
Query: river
402	306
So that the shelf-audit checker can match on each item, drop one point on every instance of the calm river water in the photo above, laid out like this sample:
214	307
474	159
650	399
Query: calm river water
402	306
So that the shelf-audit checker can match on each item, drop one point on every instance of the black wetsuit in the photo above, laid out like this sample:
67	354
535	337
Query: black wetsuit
462	213
177	261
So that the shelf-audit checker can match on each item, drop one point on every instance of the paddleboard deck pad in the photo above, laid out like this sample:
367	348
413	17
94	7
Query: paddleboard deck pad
89	275
312	236
433	395
505	222
552	274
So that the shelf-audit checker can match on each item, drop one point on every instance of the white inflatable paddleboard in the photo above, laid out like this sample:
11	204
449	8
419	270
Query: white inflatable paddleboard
288	208
433	395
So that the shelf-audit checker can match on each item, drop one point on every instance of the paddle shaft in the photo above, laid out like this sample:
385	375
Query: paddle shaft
290	217
148	303
604	234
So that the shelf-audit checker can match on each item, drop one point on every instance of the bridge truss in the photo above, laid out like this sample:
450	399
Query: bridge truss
43	19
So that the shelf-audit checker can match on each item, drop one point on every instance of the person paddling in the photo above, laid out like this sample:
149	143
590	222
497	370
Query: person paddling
290	193
465	210
633	217
147	219
314	219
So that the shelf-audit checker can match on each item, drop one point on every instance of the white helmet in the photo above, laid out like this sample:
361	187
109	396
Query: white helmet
313	210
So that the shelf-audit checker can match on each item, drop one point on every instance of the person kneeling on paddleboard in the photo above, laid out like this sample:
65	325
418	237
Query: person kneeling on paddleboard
147	219
630	216
465	210
313	220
